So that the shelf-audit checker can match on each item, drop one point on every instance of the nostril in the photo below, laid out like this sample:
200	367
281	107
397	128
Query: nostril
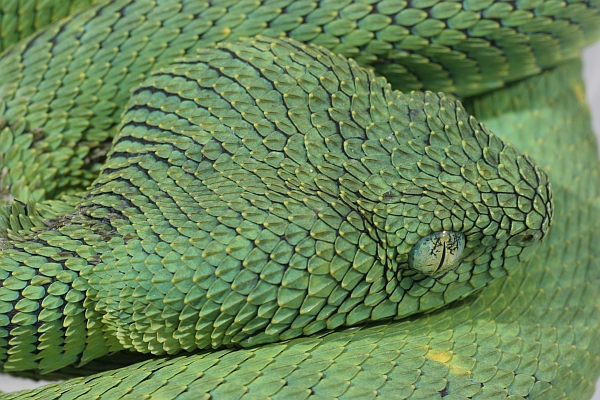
527	239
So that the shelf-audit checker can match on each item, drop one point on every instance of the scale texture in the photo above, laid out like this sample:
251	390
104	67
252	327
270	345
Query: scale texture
247	212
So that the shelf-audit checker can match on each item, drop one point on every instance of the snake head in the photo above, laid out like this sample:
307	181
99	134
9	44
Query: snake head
457	208
266	190
494	208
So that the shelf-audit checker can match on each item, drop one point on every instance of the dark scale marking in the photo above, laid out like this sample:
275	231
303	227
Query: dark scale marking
221	265
210	89
90	204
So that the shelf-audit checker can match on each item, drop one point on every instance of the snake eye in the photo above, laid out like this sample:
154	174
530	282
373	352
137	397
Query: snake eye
437	252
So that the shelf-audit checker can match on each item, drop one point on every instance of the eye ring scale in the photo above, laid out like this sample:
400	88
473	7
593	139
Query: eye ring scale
437	252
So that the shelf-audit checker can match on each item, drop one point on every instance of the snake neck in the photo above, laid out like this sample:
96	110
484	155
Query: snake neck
50	321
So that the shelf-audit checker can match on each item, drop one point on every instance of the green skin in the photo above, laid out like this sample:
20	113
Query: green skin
264	190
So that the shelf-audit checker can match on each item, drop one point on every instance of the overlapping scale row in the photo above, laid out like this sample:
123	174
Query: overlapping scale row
45	324
533	334
21	18
71	81
268	189
68	86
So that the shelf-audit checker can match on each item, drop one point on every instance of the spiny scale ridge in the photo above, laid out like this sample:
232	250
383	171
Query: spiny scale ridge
532	334
75	269
72	79
266	190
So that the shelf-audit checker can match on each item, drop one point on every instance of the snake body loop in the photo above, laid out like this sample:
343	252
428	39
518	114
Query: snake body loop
172	186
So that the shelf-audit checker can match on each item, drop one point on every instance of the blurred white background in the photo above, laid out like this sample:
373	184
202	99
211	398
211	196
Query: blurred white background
591	73
591	67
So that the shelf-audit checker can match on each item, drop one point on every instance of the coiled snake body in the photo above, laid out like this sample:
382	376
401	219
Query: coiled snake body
215	184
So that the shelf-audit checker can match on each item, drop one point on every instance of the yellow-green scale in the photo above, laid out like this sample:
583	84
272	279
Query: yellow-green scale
69	84
142	291
532	333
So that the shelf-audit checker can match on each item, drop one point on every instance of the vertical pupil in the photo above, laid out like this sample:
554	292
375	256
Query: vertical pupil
441	264
437	252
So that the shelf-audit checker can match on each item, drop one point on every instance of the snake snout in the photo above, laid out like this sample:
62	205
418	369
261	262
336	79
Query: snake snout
534	200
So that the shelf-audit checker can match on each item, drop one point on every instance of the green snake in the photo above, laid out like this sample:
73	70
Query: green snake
286	199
